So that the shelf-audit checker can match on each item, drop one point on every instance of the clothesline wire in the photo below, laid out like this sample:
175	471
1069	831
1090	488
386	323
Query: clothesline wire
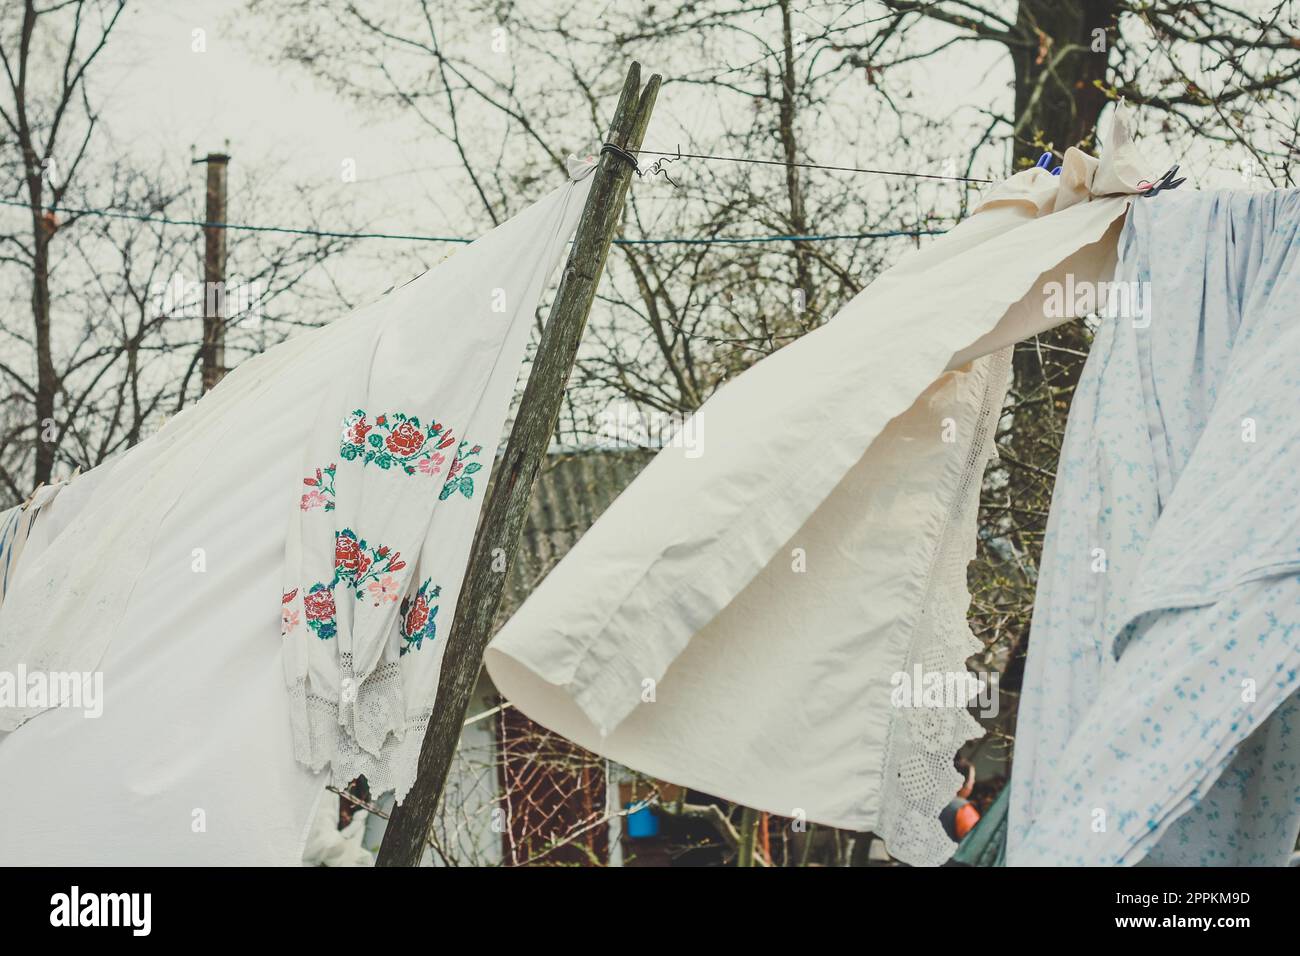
331	234
678	154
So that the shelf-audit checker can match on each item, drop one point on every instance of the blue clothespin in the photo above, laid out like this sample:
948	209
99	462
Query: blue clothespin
1045	162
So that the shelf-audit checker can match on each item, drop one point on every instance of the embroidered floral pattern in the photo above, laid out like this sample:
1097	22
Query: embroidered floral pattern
318	603
400	441
460	477
322	489
417	622
357	564
395	440
392	442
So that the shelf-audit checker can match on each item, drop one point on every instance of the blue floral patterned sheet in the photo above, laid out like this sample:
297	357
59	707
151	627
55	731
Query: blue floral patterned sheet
1158	721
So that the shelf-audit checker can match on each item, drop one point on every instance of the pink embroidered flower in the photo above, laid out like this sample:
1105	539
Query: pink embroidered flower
313	499
432	465
288	619
405	440
319	605
384	590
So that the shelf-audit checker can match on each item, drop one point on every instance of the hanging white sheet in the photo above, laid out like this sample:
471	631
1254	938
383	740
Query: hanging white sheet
168	578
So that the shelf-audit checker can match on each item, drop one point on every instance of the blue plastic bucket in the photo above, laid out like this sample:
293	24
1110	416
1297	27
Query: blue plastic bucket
641	822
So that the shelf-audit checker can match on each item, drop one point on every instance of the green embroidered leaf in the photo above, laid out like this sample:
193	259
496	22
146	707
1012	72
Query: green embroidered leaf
472	467
375	440
467	486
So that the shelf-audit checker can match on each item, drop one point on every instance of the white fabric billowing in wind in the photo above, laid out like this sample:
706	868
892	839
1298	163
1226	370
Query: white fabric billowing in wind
168	577
677	637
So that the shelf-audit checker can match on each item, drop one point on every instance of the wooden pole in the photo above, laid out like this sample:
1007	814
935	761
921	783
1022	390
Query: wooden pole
214	273
507	508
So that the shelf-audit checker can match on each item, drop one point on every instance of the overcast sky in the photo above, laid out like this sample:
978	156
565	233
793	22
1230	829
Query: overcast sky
160	97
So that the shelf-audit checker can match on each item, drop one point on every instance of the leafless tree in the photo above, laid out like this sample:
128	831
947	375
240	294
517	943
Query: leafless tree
508	96
49	121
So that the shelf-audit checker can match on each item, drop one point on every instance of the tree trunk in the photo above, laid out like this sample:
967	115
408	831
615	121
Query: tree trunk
1057	96
1057	105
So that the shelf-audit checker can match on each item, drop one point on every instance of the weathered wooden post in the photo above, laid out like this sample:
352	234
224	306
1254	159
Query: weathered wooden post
214	272
507	508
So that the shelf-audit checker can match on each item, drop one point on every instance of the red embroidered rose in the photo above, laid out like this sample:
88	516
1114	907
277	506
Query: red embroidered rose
417	616
405	440
357	433
319	605
347	553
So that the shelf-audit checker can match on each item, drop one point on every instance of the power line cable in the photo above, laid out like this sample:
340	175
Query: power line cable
332	234
678	154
